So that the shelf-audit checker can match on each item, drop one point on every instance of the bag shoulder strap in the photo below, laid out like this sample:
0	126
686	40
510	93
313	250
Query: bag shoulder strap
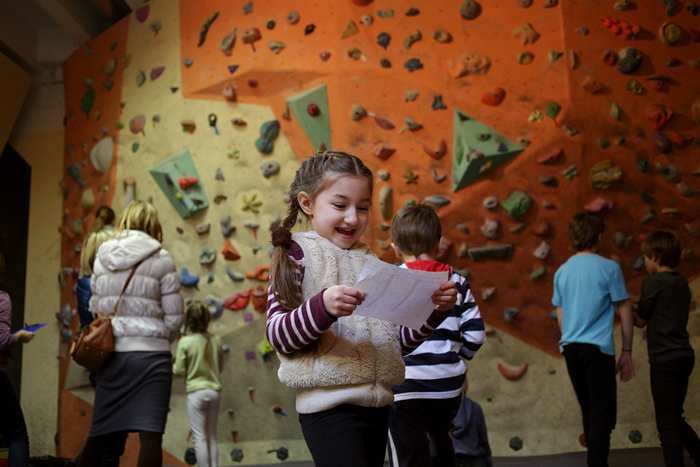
128	279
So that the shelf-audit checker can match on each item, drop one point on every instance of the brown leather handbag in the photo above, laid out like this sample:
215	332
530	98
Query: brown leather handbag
95	343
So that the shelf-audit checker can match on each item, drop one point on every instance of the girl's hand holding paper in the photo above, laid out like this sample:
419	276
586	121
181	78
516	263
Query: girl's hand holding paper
445	297
341	300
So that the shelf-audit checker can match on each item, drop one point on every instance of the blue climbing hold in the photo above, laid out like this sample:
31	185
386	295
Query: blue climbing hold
638	263
383	39
413	64
74	171
216	307
187	279
207	257
437	103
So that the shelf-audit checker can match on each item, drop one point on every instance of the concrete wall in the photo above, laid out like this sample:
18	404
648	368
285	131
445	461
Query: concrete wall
43	152
14	85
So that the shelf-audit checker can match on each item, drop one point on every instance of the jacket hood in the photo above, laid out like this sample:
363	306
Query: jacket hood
126	250
427	265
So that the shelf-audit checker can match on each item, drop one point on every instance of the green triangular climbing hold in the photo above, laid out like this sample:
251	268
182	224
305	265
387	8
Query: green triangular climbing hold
167	175
318	127
477	149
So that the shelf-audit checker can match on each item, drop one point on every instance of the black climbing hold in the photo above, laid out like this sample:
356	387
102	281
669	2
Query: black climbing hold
190	456
516	444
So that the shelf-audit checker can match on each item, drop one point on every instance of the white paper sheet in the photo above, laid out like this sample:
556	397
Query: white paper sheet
398	295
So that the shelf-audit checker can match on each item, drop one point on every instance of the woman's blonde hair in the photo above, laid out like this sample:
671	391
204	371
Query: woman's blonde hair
103	217
101	231
315	175
142	216
89	251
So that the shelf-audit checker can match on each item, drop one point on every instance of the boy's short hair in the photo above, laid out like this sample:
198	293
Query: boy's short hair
416	229
664	246
584	231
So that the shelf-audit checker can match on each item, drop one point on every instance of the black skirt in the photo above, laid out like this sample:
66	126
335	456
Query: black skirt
132	393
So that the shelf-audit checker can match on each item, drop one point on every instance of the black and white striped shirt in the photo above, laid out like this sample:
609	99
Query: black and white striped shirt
436	369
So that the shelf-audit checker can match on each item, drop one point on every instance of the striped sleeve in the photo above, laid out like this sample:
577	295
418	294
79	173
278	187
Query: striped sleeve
412	338
290	330
471	325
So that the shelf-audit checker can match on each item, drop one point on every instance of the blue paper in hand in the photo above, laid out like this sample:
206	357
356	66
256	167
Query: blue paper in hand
33	327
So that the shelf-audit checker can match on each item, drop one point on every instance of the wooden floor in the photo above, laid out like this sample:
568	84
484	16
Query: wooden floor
641	457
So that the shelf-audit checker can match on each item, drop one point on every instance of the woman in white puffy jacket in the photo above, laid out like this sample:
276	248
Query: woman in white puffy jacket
133	389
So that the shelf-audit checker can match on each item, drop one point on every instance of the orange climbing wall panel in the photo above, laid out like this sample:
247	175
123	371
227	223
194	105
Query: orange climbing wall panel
528	87
85	129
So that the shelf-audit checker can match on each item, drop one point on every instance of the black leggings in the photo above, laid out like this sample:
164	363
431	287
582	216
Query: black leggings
347	436
112	444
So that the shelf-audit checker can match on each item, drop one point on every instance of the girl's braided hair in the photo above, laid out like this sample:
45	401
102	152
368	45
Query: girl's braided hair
315	175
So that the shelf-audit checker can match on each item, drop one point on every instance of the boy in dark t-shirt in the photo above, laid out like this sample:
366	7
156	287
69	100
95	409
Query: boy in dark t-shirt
663	308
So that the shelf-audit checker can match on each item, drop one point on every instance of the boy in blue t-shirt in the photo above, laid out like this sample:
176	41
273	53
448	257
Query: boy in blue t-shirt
587	288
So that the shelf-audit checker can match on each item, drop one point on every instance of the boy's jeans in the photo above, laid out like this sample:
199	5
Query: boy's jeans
592	374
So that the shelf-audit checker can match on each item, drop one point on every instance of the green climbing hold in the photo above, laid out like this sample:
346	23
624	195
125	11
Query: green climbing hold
634	86
87	101
537	273
643	165
570	172
135	146
268	134
140	78
552	110
615	112
516	204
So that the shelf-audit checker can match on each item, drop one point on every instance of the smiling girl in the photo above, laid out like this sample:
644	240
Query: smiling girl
342	366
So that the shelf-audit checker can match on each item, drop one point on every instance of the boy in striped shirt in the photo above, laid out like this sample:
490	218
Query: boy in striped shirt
428	400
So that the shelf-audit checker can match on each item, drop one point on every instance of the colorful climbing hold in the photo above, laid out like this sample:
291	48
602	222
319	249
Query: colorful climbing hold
437	103
494	97
525	58
408	41
350	29
383	40
413	64
469	9
205	28
156	72
268	134
313	110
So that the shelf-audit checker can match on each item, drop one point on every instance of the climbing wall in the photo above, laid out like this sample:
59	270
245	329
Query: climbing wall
508	117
